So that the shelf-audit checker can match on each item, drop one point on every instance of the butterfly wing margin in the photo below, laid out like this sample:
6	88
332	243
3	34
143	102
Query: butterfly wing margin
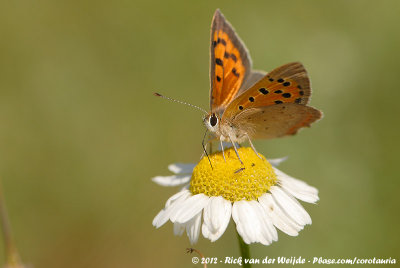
230	63
275	121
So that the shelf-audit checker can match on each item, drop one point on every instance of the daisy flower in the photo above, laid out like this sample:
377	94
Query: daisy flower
256	195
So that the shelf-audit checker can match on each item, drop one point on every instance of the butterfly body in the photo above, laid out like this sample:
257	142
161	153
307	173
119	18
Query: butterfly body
247	104
225	130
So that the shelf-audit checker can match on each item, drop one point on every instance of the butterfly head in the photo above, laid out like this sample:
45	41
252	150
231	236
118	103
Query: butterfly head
212	122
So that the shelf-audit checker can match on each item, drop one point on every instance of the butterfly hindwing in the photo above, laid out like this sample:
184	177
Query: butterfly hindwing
230	63
275	120
286	84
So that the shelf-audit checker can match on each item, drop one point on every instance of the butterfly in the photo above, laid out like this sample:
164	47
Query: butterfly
247	104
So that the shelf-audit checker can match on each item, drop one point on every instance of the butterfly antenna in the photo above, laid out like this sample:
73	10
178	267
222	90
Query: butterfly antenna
181	102
204	149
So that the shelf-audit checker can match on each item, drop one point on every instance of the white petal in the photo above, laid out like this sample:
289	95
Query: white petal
252	223
204	230
160	219
173	180
178	229
268	230
240	220
193	228
278	217
183	191
179	168
217	214
297	188
241	230
290	206
189	208
164	215
277	161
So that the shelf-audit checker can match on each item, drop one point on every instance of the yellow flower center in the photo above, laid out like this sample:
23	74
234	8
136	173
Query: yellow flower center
232	180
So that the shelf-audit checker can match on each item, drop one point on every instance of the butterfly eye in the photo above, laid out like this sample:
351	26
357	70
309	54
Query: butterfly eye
213	120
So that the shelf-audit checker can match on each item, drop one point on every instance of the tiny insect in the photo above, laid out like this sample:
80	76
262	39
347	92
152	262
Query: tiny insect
239	170
247	104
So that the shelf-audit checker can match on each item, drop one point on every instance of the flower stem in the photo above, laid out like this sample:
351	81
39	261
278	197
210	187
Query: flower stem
11	252
244	251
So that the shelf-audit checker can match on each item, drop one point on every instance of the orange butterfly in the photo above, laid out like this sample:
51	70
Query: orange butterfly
248	104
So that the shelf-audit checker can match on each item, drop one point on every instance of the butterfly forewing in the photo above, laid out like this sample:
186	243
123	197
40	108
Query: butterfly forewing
230	63
276	120
286	84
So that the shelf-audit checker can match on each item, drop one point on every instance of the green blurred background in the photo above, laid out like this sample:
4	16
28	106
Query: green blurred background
81	133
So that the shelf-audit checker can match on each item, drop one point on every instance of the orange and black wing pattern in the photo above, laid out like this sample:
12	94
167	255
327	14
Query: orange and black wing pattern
230	63
286	84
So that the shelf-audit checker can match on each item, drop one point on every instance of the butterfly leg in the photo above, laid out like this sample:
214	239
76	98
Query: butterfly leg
234	147
205	143
222	149
252	147
205	149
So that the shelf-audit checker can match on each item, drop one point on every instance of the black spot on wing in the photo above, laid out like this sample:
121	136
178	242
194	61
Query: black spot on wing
222	41
235	73
218	61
